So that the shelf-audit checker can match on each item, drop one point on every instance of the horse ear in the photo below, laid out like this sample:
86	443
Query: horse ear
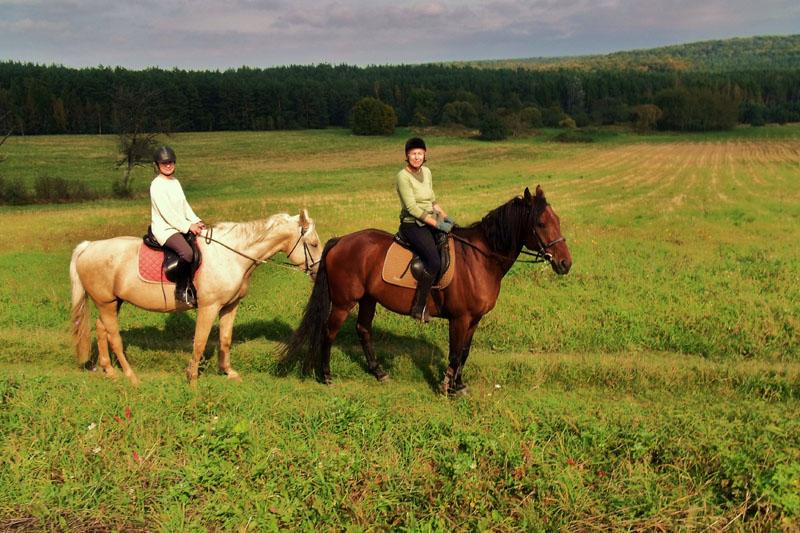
527	196
539	192
304	218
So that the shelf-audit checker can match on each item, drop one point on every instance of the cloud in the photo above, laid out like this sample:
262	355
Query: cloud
210	34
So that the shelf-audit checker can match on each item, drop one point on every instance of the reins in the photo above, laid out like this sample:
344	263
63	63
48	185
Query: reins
540	256
208	237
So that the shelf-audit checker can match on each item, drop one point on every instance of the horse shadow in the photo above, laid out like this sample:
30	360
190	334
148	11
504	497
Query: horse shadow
178	330
427	357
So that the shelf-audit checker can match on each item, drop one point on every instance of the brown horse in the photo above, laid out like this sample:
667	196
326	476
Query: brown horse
108	272
350	273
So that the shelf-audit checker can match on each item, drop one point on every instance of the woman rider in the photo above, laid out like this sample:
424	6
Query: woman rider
420	218
171	217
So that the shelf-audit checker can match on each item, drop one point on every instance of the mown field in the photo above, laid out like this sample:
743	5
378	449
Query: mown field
657	386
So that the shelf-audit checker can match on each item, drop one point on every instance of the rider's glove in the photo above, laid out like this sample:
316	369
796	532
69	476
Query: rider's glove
444	225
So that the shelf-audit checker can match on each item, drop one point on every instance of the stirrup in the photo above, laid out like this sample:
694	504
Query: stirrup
423	316
186	296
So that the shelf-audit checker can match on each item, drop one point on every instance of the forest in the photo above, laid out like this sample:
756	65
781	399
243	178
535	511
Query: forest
51	99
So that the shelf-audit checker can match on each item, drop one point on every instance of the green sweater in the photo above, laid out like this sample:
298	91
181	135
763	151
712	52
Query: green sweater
416	195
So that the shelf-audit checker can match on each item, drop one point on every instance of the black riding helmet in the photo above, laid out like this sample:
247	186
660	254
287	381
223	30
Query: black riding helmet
164	154
414	143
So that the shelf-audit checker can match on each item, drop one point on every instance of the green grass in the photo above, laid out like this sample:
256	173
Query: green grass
655	386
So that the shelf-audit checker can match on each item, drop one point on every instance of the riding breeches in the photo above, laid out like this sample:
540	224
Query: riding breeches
177	243
424	243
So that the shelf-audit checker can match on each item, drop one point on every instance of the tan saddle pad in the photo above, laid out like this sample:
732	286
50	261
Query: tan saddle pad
396	270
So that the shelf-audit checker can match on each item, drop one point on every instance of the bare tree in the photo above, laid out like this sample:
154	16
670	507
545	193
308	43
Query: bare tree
138	125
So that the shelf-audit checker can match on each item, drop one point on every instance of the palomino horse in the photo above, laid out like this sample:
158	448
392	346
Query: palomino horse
108	272
350	273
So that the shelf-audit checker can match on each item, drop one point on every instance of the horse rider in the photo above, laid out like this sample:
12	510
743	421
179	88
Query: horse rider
421	218
172	219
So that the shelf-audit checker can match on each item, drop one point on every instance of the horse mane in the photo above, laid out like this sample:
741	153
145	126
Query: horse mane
253	231
504	226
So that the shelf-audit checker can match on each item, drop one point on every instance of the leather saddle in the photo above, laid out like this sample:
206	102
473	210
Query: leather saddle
160	264
402	266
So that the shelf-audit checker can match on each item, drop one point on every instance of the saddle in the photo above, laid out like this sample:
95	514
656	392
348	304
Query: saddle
402	266
158	264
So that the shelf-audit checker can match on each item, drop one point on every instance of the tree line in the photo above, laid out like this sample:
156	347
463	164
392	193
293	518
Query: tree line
38	99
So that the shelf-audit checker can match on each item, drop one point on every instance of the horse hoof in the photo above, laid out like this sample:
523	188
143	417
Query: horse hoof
382	378
458	390
234	375
134	380
326	380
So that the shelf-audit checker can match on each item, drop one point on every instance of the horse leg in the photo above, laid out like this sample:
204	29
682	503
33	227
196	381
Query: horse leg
103	359
459	328
108	315
205	319
459	386
335	320
226	317
366	312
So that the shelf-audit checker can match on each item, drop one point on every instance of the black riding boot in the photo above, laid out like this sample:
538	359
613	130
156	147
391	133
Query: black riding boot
419	309
184	288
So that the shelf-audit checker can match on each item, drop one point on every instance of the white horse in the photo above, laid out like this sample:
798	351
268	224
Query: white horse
107	271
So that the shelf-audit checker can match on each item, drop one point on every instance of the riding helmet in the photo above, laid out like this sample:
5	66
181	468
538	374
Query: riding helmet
164	154
415	142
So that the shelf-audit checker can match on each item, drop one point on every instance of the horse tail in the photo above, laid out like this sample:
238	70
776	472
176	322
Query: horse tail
79	315
313	327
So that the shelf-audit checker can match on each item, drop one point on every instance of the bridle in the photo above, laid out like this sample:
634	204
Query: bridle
307	259
541	255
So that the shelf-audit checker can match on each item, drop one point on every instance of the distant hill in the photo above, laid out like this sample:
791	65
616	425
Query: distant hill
741	53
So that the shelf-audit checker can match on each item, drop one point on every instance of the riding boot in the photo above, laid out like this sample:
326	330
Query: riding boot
184	287
419	309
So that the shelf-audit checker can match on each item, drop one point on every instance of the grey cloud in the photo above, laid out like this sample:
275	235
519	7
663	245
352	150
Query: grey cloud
207	33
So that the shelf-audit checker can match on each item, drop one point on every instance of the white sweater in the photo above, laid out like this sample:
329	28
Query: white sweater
169	211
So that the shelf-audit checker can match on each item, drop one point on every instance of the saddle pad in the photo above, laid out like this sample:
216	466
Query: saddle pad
151	264
396	271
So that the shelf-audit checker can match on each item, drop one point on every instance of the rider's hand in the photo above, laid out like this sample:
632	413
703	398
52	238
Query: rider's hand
444	225
450	220
197	227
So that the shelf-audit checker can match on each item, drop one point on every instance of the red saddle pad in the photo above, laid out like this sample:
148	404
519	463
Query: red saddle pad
150	265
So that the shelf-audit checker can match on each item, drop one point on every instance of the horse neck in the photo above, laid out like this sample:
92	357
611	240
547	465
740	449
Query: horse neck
492	259
259	240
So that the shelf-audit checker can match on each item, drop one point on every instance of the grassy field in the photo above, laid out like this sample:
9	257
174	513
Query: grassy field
655	386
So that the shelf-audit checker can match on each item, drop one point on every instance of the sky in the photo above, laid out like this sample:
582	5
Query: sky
219	34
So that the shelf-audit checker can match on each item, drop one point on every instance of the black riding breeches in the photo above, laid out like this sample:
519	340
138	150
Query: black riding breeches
177	243
424	243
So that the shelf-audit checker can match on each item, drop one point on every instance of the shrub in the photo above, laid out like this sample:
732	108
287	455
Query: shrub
372	117
574	136
567	123
493	128
460	112
645	117
14	192
552	115
531	117
48	189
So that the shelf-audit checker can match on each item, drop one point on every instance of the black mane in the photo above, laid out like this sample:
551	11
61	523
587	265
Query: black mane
505	226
